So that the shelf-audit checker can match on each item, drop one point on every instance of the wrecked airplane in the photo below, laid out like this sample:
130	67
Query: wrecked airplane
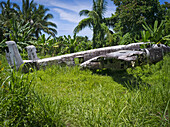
114	57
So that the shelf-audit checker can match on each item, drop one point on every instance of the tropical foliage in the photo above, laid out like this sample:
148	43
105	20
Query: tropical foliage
62	45
97	22
20	33
131	13
24	24
127	22
156	33
68	96
75	44
133	21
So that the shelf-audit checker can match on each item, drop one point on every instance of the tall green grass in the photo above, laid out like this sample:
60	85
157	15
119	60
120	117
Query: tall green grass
20	104
69	96
136	97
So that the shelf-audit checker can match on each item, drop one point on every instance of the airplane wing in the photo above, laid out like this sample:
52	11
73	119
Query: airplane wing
116	60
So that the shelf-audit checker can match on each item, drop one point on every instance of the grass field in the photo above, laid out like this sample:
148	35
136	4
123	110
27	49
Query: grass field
69	96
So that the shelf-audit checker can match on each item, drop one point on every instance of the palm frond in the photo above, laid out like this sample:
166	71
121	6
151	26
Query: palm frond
48	16
82	24
103	7
94	6
94	14
51	24
110	21
84	12
2	4
53	30
16	6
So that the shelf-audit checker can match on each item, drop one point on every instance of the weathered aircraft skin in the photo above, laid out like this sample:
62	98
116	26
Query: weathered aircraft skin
114	57
124	59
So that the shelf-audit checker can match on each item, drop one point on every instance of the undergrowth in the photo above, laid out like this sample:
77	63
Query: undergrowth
68	96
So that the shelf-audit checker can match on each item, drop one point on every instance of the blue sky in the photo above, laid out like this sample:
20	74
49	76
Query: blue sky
66	13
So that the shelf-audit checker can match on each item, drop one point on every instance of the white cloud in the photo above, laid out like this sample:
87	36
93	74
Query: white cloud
74	6
69	16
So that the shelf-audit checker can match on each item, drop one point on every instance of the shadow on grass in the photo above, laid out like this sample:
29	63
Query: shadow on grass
122	77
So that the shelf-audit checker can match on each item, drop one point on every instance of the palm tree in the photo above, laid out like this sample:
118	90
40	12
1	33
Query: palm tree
41	22
96	22
38	18
28	9
8	11
20	32
30	14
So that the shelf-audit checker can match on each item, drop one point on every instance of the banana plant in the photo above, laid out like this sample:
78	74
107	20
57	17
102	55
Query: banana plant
52	45
20	33
70	44
145	36
167	39
42	44
156	32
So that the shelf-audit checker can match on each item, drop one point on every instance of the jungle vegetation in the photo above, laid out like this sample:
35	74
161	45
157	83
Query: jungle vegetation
68	96
132	22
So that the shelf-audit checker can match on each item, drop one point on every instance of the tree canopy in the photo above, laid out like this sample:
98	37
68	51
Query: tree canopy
131	14
133	21
34	17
